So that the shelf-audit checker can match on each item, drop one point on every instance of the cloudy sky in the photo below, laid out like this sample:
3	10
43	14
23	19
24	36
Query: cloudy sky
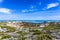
29	9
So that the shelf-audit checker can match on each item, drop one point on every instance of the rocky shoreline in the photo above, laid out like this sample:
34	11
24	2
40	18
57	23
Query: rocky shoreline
30	31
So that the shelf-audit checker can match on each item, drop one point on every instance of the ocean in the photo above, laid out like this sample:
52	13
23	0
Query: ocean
33	21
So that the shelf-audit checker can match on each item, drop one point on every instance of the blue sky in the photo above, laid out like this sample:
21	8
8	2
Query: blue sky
29	9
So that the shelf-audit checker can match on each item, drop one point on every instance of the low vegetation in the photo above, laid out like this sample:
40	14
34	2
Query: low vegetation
35	32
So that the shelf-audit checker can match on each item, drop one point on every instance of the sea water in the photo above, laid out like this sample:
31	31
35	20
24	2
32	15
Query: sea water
33	21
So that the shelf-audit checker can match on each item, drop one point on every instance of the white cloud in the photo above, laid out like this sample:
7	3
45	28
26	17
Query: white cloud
32	6
1	1
24	11
48	18
5	10
52	5
39	3
55	17
31	9
58	0
10	17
